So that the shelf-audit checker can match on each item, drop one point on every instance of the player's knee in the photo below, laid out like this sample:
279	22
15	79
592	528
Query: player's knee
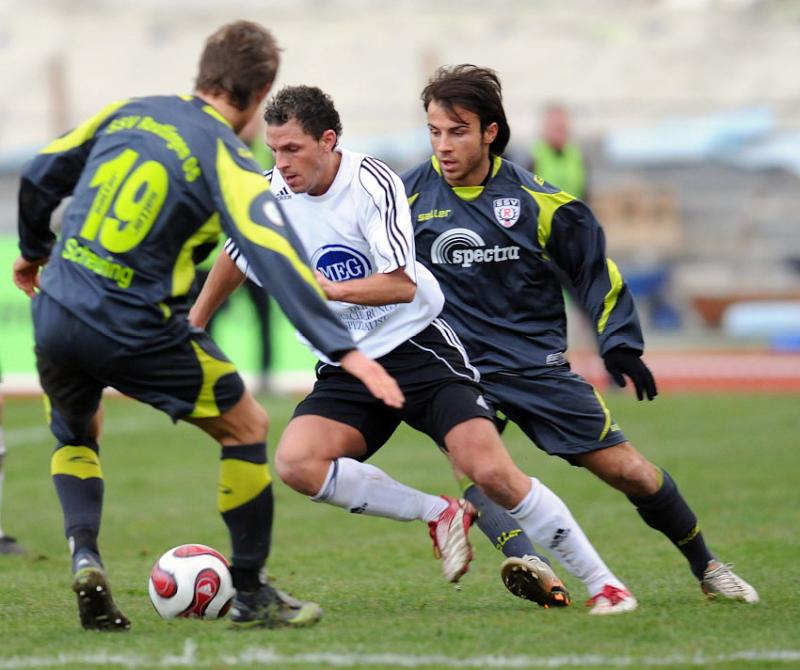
258	421
635	475
489	475
251	423
292	463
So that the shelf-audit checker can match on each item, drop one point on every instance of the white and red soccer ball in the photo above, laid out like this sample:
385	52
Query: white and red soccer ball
191	580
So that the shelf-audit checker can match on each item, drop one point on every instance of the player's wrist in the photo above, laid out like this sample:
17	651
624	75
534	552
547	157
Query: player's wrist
339	355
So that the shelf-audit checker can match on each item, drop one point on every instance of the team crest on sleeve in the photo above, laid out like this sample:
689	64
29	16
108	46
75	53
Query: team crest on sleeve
506	211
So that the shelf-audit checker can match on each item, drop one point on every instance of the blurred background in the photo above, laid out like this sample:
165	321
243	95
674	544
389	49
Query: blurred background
682	118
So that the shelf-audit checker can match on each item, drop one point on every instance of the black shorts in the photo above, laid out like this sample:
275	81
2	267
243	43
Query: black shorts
559	410
434	373
191	379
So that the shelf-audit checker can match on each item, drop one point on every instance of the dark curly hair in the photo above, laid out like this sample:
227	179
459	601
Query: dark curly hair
309	106
476	89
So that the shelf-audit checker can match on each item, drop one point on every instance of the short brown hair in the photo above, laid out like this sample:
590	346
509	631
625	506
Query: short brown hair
239	59
476	89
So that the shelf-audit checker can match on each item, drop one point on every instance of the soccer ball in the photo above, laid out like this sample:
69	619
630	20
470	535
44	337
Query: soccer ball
191	580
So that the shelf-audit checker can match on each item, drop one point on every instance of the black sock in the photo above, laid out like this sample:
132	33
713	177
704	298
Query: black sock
79	484
668	512
246	503
499	526
85	554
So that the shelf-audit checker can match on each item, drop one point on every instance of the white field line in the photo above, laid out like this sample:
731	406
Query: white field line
259	656
18	437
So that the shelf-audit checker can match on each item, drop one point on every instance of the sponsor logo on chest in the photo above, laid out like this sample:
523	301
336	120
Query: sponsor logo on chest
464	247
338	262
506	211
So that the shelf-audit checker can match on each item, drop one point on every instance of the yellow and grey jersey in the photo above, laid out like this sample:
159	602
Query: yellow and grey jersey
500	251
154	181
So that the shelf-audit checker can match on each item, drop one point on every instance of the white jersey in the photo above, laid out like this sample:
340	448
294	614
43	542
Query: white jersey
360	226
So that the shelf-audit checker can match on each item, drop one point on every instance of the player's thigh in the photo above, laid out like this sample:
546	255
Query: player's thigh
439	383
311	437
344	402
191	380
244	423
438	409
72	400
560	411
66	351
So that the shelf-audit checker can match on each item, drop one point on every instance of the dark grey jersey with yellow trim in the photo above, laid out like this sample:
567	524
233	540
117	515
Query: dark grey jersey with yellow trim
154	181
500	252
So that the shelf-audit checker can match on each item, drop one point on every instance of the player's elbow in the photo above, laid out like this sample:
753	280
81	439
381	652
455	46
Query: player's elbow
399	286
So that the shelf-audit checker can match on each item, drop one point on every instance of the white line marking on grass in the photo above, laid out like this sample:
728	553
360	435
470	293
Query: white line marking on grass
259	656
17	437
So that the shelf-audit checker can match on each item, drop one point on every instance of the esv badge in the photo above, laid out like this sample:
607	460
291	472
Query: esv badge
506	211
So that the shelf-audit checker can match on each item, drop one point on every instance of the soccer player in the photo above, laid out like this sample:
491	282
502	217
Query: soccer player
154	180
497	238
8	544
353	221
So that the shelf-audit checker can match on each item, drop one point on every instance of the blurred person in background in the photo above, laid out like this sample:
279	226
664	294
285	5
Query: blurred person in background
154	181
8	544
556	158
252	135
498	238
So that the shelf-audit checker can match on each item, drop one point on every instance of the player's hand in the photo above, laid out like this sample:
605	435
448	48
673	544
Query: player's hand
326	284
197	318
26	275
374	377
622	361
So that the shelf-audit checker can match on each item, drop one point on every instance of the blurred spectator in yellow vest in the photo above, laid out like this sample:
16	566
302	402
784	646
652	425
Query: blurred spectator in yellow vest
556	158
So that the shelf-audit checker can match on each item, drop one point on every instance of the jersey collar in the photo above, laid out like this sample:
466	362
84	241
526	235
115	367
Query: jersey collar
208	109
469	193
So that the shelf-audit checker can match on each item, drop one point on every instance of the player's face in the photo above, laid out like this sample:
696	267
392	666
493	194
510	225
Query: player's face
303	161
460	145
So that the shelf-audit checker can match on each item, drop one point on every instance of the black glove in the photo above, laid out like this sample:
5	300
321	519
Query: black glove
622	361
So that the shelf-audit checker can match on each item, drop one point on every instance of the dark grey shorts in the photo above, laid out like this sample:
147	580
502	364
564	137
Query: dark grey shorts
559	410
193	378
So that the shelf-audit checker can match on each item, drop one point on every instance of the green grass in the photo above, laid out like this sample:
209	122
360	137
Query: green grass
734	457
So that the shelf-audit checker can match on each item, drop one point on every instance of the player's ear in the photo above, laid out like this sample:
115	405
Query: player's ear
328	139
490	132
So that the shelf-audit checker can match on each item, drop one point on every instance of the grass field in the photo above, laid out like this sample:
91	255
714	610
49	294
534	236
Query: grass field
735	458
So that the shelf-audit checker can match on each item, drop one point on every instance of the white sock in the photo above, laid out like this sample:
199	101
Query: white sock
364	489
546	520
